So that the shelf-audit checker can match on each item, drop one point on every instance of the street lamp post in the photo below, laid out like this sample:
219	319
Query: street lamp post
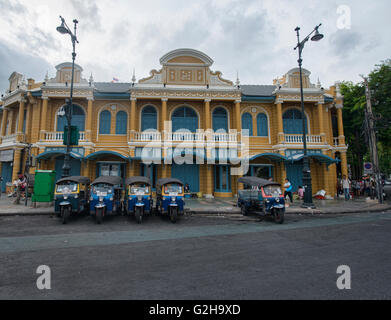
307	202
64	29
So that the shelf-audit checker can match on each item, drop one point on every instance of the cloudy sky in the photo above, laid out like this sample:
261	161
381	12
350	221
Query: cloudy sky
252	37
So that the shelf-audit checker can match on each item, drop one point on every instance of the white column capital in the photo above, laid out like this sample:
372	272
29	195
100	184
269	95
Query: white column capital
164	99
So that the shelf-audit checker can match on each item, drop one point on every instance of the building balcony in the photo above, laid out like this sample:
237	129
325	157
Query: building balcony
154	136
12	139
58	136
298	139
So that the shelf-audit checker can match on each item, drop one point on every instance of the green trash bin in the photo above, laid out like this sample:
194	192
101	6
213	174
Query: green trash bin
44	186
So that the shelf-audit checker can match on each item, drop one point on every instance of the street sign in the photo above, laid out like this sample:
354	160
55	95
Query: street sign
368	168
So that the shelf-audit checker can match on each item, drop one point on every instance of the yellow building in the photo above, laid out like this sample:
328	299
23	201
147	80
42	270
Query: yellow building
184	120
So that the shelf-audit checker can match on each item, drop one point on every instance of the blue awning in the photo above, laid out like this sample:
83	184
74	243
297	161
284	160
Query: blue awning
271	156
101	153
318	156
57	153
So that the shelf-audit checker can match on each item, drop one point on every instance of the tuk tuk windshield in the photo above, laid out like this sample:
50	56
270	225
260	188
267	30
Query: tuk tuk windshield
139	190
272	191
68	187
173	188
102	188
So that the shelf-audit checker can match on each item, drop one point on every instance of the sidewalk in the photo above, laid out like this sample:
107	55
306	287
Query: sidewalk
223	206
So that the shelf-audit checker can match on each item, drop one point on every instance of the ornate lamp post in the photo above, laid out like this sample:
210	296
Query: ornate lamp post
307	203
64	29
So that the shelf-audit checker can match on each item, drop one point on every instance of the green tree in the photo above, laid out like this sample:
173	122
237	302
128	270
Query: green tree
354	115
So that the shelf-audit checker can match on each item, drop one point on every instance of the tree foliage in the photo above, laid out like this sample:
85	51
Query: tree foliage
354	115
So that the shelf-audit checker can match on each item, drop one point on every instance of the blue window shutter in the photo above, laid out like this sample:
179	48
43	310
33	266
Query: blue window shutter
148	118
78	119
121	122
247	123
220	119
104	122
184	118
293	123
262	129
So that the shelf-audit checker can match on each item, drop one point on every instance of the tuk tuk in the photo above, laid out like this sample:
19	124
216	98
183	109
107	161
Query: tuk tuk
263	198
71	196
169	198
106	197
138	198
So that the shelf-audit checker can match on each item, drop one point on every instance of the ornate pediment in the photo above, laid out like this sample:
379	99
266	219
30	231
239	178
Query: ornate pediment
186	67
64	74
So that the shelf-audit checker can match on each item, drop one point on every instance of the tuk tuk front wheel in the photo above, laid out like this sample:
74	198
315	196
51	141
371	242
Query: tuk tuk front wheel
99	215
278	216
173	214
138	215
65	215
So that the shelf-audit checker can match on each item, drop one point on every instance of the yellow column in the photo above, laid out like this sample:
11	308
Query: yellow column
16	164
340	126
21	116
164	167
207	114
320	121
344	163
280	130
44	113
4	122
28	121
89	119
133	114
237	115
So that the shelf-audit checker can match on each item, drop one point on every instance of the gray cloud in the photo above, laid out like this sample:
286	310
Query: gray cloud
89	12
13	60
344	42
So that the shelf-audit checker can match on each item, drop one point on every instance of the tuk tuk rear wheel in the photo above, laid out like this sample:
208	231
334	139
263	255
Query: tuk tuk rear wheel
278	216
99	214
65	215
243	210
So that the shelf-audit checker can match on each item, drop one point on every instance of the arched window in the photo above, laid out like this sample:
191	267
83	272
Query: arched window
262	129
78	119
220	119
121	120
184	118
104	122
148	118
293	122
247	123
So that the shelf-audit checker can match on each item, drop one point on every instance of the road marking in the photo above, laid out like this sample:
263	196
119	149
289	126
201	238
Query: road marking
171	232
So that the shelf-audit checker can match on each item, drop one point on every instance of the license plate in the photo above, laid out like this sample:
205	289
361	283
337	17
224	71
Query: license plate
102	194
173	194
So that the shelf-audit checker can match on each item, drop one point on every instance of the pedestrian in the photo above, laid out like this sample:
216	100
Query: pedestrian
300	192
288	190
346	187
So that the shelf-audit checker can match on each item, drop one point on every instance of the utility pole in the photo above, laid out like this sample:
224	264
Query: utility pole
372	141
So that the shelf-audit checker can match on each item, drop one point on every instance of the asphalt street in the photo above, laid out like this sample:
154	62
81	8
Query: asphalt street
200	257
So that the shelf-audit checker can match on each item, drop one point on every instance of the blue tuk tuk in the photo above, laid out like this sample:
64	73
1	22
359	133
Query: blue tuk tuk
138	200
71	196
263	197
169	198
106	197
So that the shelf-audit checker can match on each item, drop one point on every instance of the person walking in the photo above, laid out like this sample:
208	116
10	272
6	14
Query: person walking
288	190
346	187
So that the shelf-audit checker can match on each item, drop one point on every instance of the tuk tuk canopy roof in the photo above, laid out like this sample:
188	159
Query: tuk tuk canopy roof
257	182
112	180
138	179
77	179
163	181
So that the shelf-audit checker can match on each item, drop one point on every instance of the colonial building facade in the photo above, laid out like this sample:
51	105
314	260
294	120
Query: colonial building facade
184	120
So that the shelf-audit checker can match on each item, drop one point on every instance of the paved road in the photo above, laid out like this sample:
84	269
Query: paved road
200	257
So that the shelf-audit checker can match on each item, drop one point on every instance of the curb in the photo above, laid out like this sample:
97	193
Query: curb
225	213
